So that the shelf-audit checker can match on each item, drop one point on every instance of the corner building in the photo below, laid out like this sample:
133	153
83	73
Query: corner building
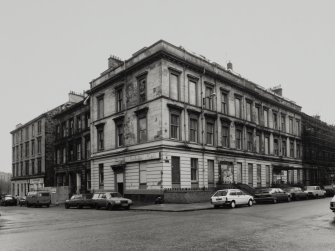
169	119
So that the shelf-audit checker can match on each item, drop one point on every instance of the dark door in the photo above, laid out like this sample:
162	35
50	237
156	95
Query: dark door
175	170
120	187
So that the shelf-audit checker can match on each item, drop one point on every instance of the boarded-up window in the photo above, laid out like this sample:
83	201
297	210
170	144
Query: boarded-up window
175	171
100	101
143	174
258	143
249	111
227	172
238	178
238	112
210	166
250	174
266	144
142	88
142	129
174	86
267	175
266	118
192	93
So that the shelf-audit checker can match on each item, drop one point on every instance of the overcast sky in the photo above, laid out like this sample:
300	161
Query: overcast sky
48	48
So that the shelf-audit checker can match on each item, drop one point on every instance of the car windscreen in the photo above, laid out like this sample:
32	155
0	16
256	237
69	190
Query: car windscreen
45	194
96	196
115	195
221	193
268	190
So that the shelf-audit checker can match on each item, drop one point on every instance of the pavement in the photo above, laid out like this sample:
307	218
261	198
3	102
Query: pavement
167	207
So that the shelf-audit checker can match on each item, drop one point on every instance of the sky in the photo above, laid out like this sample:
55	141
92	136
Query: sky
48	48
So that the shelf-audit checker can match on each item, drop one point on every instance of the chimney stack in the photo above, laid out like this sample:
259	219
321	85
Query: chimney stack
230	66
114	62
278	90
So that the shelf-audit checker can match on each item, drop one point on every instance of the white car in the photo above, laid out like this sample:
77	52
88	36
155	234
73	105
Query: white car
332	204
314	191
232	198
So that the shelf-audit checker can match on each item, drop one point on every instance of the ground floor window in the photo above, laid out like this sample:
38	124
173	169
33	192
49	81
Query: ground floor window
250	175
175	171
238	173
143	176
226	172
210	167
259	175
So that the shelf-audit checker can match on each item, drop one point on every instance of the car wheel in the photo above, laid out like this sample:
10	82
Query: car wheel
66	206
109	207
78	206
317	196
48	205
216	206
97	207
233	204
127	207
28	205
250	203
274	201
288	198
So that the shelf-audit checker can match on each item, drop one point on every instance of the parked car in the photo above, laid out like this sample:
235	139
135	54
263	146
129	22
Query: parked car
332	204
273	195
8	200
314	191
80	201
22	201
330	190
296	193
38	198
110	200
232	198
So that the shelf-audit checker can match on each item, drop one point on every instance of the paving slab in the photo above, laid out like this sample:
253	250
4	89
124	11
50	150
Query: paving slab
174	207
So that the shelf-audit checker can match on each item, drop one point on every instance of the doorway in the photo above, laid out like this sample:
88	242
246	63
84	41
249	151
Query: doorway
119	182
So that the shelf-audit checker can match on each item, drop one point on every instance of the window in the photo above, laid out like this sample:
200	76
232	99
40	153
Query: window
175	171
266	145
249	140
238	173
194	170
174	125
39	127
267	175
284	147
58	156
87	148
258	143
275	147
174	85
64	155
101	175
58	131
87	120
238	137
78	151
21	135
298	151
100	133
238	110
142	88
27	133
250	175
298	127
258	114
119	99
79	124
32	147
27	168
71	126
71	152
275	121
39	166
210	167
249	110
100	103
88	178
209	97
32	130
291	149
210	132
259	175
27	149
283	123
266	117
142	128
192	92
224	102
291	125
64	129
193	129
39	146
225	134
143	175
119	134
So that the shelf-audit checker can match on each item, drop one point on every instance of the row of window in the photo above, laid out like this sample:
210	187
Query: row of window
73	152
18	136
254	113
73	125
32	167
27	150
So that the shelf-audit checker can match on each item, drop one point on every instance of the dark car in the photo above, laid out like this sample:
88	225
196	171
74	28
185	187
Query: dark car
111	200
8	200
296	193
80	201
273	195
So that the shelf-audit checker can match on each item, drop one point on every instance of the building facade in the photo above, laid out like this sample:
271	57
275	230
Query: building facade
72	147
318	139
5	182
169	119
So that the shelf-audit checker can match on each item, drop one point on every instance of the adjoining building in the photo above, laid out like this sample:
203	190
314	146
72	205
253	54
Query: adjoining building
169	119
72	147
5	182
318	140
33	152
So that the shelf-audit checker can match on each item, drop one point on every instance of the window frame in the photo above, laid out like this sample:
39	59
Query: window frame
194	117
142	94
177	114
194	80
177	74
100	109
119	94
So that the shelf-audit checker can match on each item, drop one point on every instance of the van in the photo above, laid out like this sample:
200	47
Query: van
38	198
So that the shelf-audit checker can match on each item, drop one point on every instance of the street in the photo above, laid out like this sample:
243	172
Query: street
301	225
